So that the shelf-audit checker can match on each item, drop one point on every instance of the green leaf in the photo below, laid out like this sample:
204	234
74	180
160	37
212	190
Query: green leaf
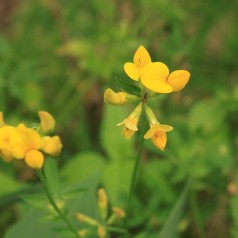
81	166
169	229
117	147
31	225
36	200
128	87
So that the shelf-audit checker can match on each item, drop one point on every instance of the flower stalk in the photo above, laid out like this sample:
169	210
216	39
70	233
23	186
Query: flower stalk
53	203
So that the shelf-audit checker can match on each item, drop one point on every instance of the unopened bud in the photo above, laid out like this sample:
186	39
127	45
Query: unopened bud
118	99
119	212
103	203
101	231
83	233
86	219
47	122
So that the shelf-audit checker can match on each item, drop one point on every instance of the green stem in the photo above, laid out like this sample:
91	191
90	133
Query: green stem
135	175
53	203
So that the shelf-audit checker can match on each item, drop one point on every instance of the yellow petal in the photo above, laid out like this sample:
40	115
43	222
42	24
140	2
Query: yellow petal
51	145
132	71
155	78
159	139
141	57
47	122
131	124
150	132
178	79
156	70
34	159
165	128
127	133
157	85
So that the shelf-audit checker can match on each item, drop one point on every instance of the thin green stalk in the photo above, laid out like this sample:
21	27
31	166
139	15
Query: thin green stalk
135	175
53	203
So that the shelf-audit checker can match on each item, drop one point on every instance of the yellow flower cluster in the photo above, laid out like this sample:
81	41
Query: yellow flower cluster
21	142
153	77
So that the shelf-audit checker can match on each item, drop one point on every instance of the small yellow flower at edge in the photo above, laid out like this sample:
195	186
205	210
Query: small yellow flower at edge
140	63
130	124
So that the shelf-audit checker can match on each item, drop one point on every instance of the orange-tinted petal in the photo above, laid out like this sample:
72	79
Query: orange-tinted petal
132	71
34	159
159	139
178	79
141	57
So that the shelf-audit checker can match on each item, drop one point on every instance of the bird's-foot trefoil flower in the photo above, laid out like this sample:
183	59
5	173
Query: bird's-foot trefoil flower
157	131
130	123
118	99
28	144
155	75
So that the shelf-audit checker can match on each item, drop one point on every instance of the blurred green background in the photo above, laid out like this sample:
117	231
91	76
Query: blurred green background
60	56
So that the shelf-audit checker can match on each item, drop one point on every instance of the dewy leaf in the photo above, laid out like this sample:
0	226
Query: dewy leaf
170	227
128	87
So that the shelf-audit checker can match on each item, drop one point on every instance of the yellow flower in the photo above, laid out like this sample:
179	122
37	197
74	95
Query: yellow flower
51	145
140	63
158	79
157	132
47	122
130	123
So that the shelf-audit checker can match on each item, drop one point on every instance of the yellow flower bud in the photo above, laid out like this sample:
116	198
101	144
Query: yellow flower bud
47	122
103	203
118	99
82	233
101	231
86	219
51	145
119	213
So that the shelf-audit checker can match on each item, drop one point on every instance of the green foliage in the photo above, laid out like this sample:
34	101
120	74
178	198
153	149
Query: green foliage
59	56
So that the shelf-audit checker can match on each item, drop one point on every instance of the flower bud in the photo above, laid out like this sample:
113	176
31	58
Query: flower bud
101	231
86	219
118	99
47	122
103	203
